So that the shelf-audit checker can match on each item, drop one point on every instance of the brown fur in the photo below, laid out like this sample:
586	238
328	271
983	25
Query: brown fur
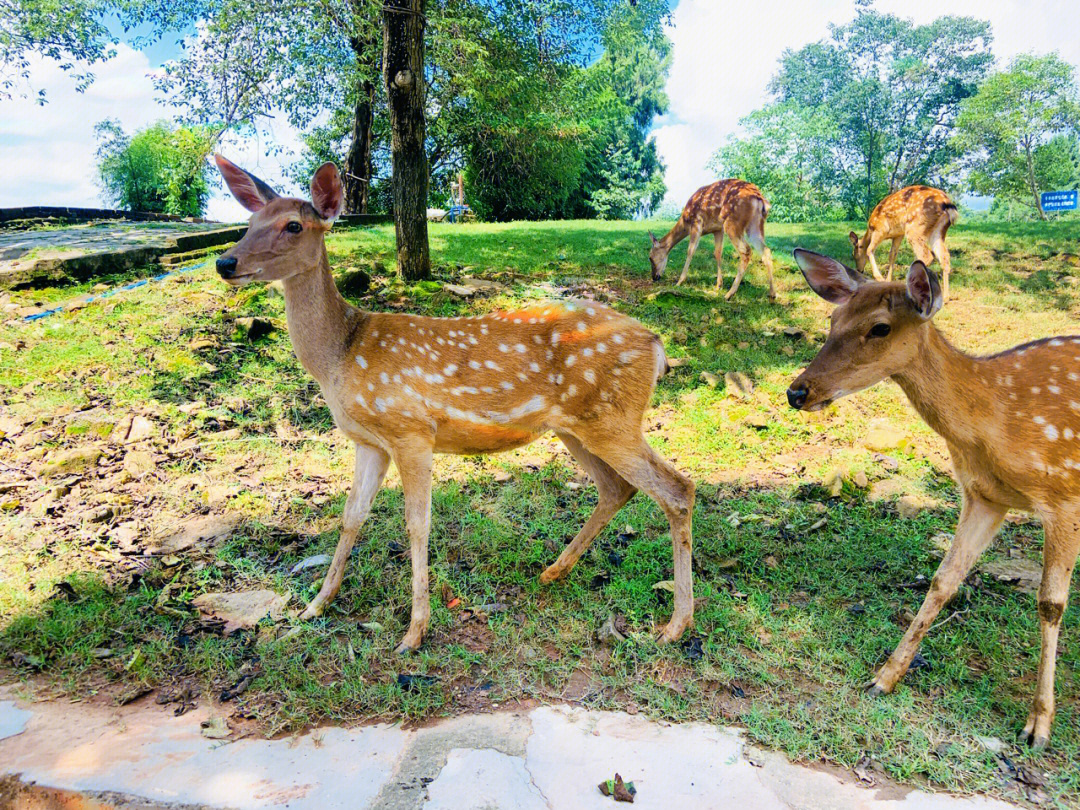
404	387
921	214
734	207
1012	425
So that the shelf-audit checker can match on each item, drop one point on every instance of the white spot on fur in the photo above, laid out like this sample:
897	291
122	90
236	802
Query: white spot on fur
450	369
474	365
361	361
570	360
1053	389
492	365
601	347
590	376
1051	432
554	338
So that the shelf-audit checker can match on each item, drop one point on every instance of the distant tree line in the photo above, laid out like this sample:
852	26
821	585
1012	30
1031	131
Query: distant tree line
883	103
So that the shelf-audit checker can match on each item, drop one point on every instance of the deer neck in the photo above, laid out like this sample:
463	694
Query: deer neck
947	387
321	322
679	231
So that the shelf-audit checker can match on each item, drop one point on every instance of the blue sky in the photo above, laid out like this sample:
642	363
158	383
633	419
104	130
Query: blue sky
724	54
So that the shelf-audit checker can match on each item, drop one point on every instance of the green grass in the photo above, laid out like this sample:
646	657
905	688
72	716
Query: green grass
794	616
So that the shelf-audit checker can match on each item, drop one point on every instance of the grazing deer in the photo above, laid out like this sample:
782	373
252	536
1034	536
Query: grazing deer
1011	422
920	213
403	387
734	207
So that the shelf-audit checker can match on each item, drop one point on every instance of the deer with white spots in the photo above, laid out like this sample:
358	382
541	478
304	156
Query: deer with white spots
1011	422
733	207
922	214
404	387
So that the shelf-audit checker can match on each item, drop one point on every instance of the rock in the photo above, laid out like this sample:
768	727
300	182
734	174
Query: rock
354	283
992	744
1025	574
501	476
253	328
887	489
756	420
205	531
243	610
199	344
883	437
236	404
141	428
911	506
738	384
794	332
471	286
609	632
311	562
833	481
860	480
67	462
215	728
139	462
100	514
710	379
126	537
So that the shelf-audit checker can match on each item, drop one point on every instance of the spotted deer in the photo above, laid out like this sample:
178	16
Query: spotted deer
920	213
403	387
1011	422
734	207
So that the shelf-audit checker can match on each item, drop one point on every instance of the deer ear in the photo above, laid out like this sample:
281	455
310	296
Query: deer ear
854	237
827	277
327	195
923	291
249	190
655	241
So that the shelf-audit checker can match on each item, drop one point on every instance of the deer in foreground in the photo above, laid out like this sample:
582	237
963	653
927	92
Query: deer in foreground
922	214
1011	422
734	207
404	387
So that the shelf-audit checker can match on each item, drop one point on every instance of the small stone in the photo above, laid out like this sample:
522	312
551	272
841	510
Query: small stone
608	632
710	379
911	506
241	611
311	562
860	480
884	438
794	332
738	384
67	462
992	744
253	328
139	463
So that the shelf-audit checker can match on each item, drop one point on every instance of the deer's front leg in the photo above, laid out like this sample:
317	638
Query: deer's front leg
414	464
979	522
371	464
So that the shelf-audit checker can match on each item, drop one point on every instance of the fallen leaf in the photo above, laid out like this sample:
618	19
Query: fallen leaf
665	585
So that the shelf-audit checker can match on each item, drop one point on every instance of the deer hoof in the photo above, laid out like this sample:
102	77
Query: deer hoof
875	689
313	611
673	630
1036	732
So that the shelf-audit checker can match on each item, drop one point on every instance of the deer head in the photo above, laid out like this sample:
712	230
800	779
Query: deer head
285	235
859	252
875	329
657	257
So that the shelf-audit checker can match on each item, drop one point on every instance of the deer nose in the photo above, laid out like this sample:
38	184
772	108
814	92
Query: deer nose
226	266
796	397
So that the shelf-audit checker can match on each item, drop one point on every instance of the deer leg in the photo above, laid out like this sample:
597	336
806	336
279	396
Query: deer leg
695	235
1059	556
371	464
755	235
643	468
892	256
871	250
744	262
979	522
613	493
414	464
718	252
941	253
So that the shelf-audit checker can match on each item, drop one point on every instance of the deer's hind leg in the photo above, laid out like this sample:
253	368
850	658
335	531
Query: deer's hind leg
1059	557
635	461
743	249
414	463
979	522
718	252
892	256
613	492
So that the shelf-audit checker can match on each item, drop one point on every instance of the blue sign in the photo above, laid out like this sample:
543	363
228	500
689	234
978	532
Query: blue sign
1058	200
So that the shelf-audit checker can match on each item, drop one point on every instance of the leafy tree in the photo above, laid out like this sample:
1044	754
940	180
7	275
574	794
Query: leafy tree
892	90
160	169
67	32
788	152
1020	131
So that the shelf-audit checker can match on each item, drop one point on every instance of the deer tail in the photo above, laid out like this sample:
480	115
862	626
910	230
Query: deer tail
951	212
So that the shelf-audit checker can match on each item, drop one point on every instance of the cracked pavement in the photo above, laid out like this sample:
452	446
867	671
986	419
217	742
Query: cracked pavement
548	757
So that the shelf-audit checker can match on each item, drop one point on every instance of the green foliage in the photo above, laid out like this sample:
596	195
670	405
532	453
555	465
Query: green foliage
160	169
1020	131
864	112
67	32
787	153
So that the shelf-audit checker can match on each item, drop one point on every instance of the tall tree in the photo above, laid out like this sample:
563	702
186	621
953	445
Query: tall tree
403	71
1020	130
893	90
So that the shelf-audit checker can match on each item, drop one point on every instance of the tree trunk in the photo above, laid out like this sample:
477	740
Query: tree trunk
357	180
1032	184
403	66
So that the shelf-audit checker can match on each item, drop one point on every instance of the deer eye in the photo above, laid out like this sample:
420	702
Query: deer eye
880	330
294	227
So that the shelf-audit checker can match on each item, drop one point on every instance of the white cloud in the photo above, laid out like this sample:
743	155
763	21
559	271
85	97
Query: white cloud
48	151
725	54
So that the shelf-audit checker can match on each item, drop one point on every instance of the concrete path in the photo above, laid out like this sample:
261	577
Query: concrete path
550	757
